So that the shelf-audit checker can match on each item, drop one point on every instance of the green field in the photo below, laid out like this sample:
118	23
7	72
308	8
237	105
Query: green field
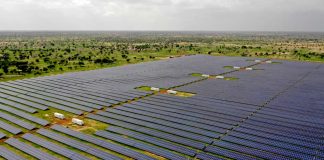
30	54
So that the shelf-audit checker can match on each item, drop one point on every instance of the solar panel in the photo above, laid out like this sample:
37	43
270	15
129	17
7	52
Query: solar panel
159	110
175	120
139	145
51	104
159	134
268	148
54	147
203	103
2	135
275	143
189	126
17	105
99	142
278	138
221	110
9	155
184	112
24	115
254	152
65	103
205	156
227	153
274	113
76	144
17	121
193	110
29	103
30	150
282	133
159	127
10	128
152	140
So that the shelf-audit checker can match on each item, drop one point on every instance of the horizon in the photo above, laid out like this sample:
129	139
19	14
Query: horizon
202	31
160	15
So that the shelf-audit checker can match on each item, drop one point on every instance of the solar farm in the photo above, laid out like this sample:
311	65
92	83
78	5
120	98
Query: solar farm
238	108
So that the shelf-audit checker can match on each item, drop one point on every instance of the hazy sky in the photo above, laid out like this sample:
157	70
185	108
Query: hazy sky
216	15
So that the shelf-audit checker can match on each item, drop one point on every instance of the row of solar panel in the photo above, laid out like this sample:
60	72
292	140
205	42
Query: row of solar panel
77	144
142	129
276	132
56	99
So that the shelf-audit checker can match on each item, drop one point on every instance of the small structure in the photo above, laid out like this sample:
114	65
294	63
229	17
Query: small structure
236	67
155	89
249	69
77	121
268	62
257	60
205	75
171	91
59	115
219	77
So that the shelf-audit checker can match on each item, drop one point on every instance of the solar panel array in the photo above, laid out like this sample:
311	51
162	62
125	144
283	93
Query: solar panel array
272	112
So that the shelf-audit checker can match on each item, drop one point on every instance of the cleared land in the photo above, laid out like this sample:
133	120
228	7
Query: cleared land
274	111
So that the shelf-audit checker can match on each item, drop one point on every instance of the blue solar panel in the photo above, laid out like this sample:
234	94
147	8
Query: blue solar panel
76	144
54	147
273	113
30	150
205	156
7	154
227	153
184	125
171	130
140	145
119	149
248	150
268	148
152	132
175	120
159	110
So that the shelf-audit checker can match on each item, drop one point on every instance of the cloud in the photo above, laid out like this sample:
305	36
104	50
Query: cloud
162	15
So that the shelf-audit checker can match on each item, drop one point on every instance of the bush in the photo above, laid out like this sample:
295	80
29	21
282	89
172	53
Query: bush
38	73
81	63
52	66
98	61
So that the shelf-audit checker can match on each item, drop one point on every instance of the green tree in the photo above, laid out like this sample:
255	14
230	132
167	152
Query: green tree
5	62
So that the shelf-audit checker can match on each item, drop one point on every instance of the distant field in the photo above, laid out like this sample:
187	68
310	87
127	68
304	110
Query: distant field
30	54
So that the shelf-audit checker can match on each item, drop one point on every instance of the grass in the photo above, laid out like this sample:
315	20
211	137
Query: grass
231	78
90	127
48	49
276	62
184	94
228	67
164	91
144	88
121	62
196	74
49	114
211	76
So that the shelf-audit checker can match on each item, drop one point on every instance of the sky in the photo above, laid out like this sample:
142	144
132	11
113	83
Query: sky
184	15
